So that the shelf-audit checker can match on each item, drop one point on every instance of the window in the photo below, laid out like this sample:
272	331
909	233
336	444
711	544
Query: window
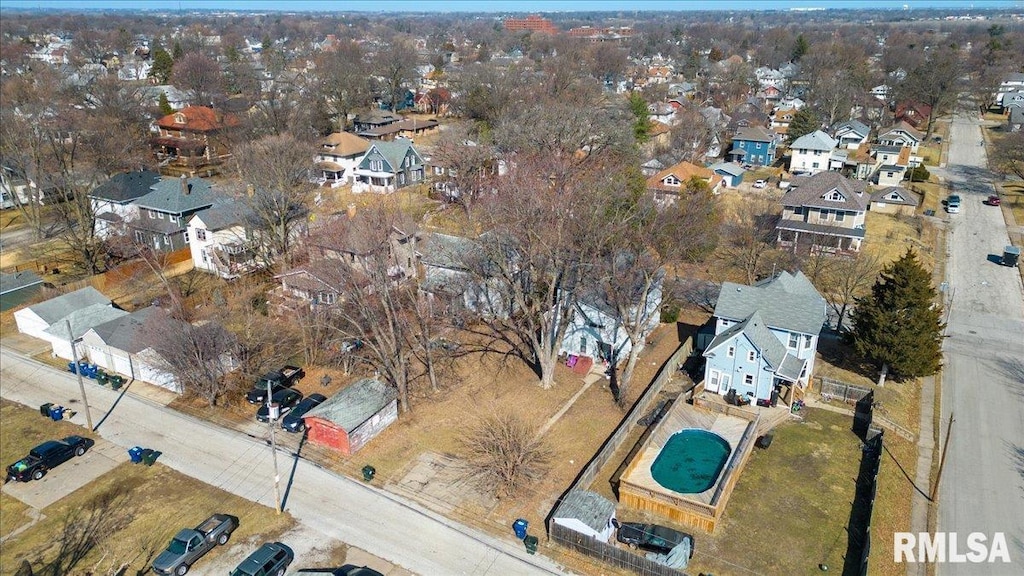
438	170
326	297
186	236
824	214
730	352
840	215
751	356
799	210
167	240
583	344
835	196
672	180
201	234
151	214
758	146
807	341
377	165
713	379
816	165
160	215
794	340
139	237
748	379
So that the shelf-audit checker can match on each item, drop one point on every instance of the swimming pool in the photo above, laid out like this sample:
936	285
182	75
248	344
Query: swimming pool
691	461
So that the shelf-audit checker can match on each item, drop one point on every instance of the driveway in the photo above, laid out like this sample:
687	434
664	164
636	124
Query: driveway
69	476
381	523
982	486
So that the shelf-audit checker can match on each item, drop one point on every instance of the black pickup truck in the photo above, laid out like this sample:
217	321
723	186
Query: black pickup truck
47	455
276	381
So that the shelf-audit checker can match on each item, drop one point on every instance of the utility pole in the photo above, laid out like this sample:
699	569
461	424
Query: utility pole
942	459
271	420
78	371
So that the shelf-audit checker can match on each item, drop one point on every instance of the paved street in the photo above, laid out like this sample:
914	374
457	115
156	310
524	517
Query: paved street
386	525
982	486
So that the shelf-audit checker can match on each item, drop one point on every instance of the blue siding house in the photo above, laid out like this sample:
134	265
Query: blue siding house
766	337
753	145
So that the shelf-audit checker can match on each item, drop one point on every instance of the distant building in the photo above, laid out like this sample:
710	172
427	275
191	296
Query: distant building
606	34
532	23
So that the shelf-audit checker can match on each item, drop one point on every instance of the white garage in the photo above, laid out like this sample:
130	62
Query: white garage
35	319
122	345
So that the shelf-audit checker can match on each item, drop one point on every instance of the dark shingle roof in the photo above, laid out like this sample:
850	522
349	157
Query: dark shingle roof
127	186
127	332
168	195
18	280
788	302
754	134
811	191
225	213
906	197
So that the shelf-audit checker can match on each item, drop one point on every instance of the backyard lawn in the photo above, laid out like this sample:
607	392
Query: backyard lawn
122	519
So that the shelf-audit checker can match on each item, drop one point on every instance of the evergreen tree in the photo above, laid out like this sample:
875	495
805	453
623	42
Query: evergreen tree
804	122
898	325
642	126
162	64
800	48
165	106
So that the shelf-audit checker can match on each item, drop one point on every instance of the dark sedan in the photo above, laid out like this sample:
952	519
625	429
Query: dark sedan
346	570
651	537
285	399
293	421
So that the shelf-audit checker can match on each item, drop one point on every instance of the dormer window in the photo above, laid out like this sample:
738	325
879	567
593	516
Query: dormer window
835	196
179	118
671	180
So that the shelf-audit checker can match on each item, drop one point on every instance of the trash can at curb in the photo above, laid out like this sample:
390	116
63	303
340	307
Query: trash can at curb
369	472
57	413
519	526
135	453
149	458
45	409
531	544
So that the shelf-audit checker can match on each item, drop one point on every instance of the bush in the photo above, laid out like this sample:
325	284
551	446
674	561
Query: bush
918	174
670	313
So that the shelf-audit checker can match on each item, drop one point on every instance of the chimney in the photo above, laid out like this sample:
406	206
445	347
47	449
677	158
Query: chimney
185	186
351	211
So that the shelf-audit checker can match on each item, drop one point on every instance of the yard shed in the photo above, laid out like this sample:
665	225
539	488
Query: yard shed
895	200
352	417
586	512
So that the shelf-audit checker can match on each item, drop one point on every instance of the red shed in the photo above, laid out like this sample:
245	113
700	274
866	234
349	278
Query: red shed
350	418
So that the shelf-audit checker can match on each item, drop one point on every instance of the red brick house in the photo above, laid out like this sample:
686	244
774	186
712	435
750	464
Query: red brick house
189	138
914	113
352	417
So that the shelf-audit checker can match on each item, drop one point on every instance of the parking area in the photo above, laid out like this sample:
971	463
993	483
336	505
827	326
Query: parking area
68	477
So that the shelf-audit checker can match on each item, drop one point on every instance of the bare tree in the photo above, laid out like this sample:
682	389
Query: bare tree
199	74
1008	154
751	237
276	172
690	137
342	80
504	454
470	167
934	82
199	355
396	66
846	280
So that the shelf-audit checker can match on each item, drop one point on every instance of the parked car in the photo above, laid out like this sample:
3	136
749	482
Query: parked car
47	456
953	204
189	545
285	399
760	184
993	200
651	537
271	559
346	570
293	421
276	381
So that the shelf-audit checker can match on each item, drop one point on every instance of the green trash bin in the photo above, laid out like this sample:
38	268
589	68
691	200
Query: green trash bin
102	377
369	472
116	381
531	544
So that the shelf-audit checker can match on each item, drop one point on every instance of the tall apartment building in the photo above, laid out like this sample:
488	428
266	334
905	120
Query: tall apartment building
533	23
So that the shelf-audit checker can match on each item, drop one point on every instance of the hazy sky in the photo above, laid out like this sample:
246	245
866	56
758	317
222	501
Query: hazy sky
498	5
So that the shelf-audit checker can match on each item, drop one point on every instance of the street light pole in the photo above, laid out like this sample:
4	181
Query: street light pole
273	447
78	371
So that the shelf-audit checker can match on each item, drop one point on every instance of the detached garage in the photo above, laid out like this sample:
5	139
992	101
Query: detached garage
350	418
121	345
588	513
34	320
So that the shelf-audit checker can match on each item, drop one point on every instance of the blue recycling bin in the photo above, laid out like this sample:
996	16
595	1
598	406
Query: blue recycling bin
57	413
135	453
71	367
520	526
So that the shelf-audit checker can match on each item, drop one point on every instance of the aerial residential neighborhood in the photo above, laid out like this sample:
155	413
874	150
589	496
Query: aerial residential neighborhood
391	289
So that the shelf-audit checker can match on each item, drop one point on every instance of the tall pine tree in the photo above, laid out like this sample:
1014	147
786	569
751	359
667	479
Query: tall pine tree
898	325
804	122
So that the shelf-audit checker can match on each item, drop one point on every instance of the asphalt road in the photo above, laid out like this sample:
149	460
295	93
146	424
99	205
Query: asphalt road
982	488
384	524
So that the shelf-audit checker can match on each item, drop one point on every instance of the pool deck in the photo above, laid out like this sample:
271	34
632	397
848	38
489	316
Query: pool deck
679	417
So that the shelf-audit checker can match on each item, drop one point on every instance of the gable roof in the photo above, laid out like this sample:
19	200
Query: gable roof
757	332
225	213
168	195
355	404
126	332
855	126
902	126
810	191
787	302
126	186
18	280
320	275
906	197
754	134
816	140
54	309
683	171
446	251
394	151
197	119
345	144
83	319
588	507
730	168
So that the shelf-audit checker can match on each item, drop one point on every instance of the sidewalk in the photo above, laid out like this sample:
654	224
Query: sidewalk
361	515
925	448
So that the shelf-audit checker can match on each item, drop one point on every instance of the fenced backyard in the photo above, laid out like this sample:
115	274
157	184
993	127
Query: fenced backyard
841	391
609	553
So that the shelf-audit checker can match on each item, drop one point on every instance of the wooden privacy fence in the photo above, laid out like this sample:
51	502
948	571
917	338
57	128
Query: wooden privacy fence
609	553
834	389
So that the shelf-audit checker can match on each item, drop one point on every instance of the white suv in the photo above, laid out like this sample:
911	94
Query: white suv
953	204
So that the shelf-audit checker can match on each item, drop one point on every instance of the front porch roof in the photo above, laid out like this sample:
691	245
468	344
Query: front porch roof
823	229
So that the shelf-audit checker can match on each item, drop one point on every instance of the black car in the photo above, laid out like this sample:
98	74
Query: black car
259	393
271	559
651	537
293	421
47	455
285	399
346	570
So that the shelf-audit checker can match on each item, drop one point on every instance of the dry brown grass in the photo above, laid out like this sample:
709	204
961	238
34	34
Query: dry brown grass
13	514
930	154
888	236
931	193
1012	195
153	503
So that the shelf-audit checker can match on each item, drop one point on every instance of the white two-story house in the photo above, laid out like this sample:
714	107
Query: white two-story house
338	157
810	153
222	240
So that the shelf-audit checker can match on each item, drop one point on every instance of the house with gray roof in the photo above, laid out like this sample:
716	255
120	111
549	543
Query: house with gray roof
163	212
388	166
825	211
895	200
49	320
731	172
113	202
811	153
766	337
901	134
753	145
121	345
586	512
352	417
453	276
850	134
223	239
17	288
